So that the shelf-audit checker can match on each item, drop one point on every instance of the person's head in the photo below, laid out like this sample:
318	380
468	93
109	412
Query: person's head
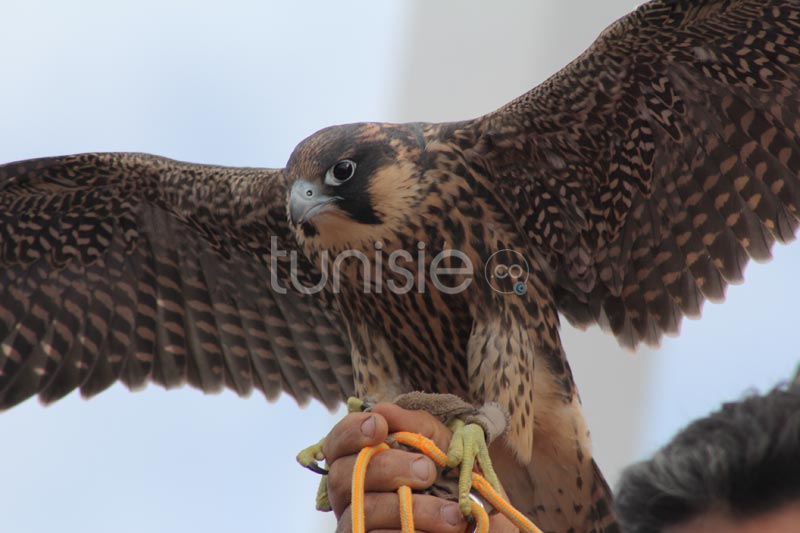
736	470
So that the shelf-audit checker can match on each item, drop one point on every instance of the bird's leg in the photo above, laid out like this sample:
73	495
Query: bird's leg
473	429
311	456
468	444
355	405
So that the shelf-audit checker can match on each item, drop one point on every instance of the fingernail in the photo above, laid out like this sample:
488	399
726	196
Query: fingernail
422	468
368	427
452	514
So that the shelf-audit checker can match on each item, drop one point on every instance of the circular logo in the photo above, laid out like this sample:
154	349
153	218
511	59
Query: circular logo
507	272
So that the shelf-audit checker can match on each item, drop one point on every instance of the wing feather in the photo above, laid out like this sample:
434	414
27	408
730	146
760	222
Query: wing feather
138	268
648	171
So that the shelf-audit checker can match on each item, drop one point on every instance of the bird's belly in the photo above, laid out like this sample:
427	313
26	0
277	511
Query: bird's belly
409	348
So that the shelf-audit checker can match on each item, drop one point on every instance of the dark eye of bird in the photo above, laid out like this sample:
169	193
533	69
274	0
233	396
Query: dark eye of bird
341	172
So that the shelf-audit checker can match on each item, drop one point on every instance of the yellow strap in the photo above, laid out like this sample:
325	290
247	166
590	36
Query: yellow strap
359	475
481	518
406	514
430	449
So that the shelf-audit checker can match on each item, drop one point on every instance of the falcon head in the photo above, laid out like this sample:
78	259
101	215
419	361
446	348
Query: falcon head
354	185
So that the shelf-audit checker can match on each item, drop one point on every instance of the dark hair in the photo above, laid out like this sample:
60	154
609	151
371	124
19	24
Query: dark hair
743	459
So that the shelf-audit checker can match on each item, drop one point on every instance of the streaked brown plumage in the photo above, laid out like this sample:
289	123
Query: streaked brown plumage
636	182
91	244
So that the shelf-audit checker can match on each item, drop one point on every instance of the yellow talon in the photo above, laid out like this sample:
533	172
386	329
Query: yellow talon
311	456
468	444
322	502
355	405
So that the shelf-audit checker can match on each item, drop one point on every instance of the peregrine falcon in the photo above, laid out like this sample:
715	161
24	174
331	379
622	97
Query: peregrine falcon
623	191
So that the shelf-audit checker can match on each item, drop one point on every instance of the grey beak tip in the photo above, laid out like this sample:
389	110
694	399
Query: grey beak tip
303	199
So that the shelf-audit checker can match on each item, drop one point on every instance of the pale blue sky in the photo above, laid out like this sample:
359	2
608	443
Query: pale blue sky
241	83
238	85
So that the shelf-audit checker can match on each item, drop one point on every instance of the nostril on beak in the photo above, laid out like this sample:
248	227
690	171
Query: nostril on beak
306	199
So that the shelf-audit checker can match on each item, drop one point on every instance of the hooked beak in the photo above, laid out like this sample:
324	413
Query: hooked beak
306	200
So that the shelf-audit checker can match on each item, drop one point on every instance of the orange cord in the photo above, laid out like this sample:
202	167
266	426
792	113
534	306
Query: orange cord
430	449
359	475
481	517
406	515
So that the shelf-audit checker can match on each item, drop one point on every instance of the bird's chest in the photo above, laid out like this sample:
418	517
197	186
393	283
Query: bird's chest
402	342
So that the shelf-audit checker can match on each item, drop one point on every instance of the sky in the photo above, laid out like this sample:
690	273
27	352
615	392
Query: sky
241	83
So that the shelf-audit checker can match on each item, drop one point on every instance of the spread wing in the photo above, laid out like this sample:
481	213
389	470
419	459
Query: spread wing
649	170
137	268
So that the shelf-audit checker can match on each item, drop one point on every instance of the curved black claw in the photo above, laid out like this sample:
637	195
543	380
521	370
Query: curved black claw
314	467
310	457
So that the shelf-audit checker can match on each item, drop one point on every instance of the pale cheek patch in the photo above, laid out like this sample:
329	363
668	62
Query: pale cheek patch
337	233
393	191
341	233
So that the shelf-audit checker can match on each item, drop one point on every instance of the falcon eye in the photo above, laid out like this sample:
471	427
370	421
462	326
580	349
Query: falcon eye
340	172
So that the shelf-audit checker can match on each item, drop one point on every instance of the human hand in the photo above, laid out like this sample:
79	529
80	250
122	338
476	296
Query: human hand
391	469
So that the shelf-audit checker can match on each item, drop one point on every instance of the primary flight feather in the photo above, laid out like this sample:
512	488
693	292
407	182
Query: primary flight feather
634	184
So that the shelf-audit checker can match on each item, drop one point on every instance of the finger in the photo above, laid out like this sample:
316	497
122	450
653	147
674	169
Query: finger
421	422
387	471
431	514
353	432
